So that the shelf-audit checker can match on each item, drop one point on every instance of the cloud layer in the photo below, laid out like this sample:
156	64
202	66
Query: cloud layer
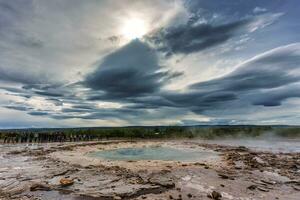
195	36
67	64
131	71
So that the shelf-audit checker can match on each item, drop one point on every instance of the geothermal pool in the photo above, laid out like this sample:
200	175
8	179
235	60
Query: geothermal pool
156	153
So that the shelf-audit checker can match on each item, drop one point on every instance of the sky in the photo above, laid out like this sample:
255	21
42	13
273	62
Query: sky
74	63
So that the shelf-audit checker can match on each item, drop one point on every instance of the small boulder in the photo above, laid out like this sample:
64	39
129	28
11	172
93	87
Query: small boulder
215	195
39	187
64	182
252	187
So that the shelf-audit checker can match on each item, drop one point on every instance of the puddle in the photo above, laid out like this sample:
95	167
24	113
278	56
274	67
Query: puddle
156	153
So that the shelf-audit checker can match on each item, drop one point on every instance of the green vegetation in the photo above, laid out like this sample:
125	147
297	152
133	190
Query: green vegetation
162	132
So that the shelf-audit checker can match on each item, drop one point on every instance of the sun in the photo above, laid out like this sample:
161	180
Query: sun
134	29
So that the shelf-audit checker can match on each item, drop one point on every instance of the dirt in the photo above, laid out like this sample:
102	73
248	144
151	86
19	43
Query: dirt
64	171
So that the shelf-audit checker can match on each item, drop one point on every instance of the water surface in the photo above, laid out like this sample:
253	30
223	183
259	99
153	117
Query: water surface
156	153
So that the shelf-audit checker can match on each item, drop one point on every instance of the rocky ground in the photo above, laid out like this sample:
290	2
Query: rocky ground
64	171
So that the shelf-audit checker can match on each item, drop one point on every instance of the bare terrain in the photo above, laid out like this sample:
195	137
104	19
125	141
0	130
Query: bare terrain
64	171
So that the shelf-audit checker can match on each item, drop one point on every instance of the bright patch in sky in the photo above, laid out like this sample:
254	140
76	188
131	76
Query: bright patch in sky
134	28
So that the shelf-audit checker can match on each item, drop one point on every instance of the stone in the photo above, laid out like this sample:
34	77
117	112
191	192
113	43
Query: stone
162	179
252	187
215	195
223	176
40	187
64	182
262	189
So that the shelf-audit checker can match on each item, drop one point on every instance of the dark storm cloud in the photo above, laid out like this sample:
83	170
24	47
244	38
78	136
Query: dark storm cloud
266	80
12	89
276	96
37	113
53	91
200	101
55	101
256	81
72	110
11	76
129	72
193	37
43	86
51	94
273	69
15	107
84	107
133	76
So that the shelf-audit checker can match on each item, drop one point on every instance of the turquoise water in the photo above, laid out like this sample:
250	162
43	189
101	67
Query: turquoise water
155	153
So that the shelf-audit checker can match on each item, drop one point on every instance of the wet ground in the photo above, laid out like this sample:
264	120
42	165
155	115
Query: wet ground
68	171
273	144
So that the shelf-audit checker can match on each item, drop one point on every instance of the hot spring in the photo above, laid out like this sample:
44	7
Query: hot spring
156	153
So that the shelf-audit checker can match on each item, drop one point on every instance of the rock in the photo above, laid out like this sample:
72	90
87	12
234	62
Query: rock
162	179
40	187
61	173
262	189
296	188
215	195
224	176
268	182
258	160
242	148
239	164
252	187
66	182
199	164
189	195
292	182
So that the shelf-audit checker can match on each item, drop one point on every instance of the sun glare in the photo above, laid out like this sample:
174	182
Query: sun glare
134	28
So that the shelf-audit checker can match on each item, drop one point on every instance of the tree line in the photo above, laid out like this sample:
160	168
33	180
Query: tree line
91	134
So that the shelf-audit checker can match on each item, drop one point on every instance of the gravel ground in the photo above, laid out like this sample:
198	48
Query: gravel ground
64	171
